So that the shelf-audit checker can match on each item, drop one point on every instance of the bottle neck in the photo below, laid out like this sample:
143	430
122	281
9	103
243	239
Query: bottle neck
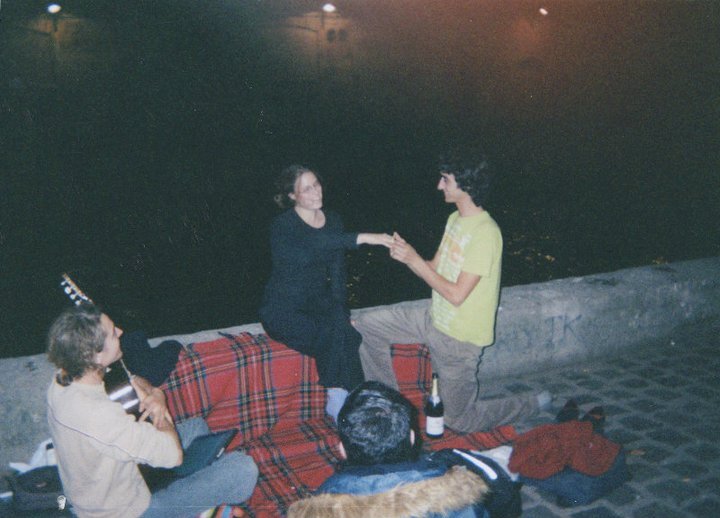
434	393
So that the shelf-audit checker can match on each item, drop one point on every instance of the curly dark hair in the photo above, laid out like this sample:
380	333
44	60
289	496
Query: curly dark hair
472	170
374	425
285	184
74	339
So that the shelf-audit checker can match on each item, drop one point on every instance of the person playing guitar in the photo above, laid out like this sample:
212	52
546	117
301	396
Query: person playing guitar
99	447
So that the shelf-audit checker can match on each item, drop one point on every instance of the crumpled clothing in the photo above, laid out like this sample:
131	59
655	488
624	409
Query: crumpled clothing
44	456
548	449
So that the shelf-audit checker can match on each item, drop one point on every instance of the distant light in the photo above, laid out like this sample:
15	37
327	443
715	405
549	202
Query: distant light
543	11
329	8
53	8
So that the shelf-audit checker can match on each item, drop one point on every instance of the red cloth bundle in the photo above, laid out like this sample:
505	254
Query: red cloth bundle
550	448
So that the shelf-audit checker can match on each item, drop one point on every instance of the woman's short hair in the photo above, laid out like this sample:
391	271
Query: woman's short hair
285	184
74	339
374	425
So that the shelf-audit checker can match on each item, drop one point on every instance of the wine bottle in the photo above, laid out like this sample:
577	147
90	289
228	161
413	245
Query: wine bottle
434	412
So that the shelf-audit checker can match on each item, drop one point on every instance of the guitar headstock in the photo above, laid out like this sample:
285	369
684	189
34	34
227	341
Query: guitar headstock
71	290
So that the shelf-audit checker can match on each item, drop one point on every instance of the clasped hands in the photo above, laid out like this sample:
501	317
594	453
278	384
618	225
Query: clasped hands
152	403
402	251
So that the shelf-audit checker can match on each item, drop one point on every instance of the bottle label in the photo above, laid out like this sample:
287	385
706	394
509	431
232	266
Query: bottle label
435	426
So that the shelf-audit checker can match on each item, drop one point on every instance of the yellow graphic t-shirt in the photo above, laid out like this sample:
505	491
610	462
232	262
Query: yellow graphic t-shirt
472	244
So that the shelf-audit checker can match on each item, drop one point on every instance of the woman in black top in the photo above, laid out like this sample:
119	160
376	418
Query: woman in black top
304	301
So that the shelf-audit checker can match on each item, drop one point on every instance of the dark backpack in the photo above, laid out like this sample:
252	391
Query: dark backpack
574	488
37	489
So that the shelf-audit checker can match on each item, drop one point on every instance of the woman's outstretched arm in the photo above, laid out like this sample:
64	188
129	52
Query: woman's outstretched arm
365	238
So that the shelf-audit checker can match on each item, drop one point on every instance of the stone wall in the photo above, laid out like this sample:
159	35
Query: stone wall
549	324
539	326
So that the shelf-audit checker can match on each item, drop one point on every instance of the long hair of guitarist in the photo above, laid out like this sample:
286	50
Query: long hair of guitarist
74	339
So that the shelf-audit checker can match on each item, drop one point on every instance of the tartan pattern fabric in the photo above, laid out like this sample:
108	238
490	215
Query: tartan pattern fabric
413	372
270	393
292	462
246	382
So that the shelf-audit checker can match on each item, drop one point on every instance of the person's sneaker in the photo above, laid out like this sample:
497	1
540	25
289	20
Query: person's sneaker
596	416
336	397
544	399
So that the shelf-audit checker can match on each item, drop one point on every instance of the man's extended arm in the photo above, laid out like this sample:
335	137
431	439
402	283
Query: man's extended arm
454	292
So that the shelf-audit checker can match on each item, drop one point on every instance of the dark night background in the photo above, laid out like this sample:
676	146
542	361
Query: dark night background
139	141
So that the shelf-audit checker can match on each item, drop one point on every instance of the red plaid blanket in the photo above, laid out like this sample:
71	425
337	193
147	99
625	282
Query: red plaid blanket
270	394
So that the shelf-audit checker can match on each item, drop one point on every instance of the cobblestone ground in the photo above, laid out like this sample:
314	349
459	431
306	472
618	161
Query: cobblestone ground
662	404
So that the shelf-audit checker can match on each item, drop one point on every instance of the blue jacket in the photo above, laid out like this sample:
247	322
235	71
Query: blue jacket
424	488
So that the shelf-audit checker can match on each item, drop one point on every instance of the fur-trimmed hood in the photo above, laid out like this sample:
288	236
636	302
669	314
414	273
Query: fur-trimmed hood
457	489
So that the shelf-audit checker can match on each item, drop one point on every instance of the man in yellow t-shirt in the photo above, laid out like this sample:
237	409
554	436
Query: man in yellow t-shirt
460	320
471	244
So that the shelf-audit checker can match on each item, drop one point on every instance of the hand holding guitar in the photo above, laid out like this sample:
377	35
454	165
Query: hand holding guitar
152	403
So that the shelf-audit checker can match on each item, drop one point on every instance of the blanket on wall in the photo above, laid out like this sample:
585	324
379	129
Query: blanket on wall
270	394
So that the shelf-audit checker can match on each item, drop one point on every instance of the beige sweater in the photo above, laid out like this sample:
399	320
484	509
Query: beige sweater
98	447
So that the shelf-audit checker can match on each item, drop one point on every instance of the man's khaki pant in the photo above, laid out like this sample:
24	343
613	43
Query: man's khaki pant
455	362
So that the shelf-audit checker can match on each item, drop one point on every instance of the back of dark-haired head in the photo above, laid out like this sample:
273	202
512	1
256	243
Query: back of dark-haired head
74	339
285	184
374	425
472	171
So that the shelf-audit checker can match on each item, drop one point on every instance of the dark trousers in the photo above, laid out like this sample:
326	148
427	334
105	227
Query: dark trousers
328	337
